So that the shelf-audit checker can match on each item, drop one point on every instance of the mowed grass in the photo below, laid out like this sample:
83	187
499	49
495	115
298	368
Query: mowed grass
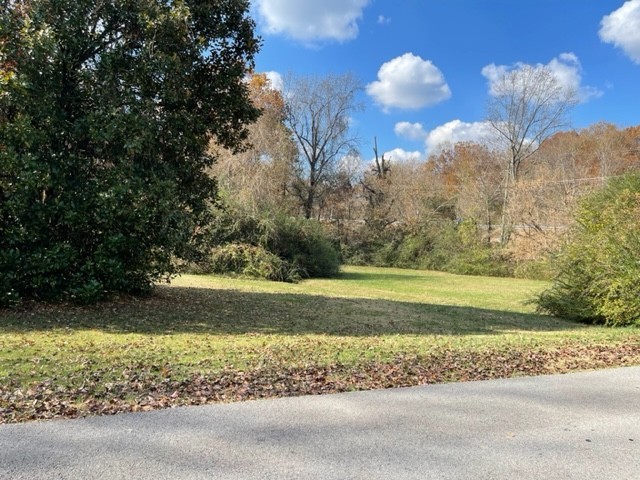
207	325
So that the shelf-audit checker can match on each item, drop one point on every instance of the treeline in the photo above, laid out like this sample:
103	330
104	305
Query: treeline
445	212
469	208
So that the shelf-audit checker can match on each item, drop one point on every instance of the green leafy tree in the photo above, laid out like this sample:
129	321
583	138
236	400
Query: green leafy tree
106	111
600	269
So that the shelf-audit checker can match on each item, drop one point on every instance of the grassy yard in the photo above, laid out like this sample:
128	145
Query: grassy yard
206	339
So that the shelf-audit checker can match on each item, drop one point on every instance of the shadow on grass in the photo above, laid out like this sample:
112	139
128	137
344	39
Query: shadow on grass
361	277
208	311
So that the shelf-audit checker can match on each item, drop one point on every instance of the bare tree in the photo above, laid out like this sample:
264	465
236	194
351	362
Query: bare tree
318	113
376	189
527	106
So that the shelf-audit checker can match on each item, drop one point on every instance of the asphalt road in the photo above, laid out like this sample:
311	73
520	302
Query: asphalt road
578	426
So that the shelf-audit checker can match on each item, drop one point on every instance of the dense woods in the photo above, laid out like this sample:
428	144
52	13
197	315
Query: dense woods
427	213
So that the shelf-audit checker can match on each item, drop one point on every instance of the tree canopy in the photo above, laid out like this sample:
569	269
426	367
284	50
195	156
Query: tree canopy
260	177
318	112
528	105
106	111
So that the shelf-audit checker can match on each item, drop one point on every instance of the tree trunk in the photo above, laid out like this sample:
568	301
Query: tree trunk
504	233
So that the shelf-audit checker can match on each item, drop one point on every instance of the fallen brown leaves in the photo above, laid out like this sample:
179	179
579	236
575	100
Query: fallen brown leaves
143	388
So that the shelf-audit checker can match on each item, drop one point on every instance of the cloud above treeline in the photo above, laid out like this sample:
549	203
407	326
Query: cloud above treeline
408	82
410	131
457	131
276	80
566	68
622	28
400	155
312	21
447	134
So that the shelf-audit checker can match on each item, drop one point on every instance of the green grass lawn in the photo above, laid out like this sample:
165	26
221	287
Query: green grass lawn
207	338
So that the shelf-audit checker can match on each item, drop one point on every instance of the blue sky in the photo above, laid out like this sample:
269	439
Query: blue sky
426	65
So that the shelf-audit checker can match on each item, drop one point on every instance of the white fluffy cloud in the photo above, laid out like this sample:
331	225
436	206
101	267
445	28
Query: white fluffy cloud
312	20
411	131
566	68
458	131
277	82
400	155
622	28
409	82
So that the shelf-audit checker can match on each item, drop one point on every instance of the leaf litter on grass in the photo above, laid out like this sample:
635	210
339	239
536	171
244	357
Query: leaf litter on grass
221	340
143	388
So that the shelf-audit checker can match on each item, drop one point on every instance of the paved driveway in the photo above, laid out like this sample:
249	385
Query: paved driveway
578	426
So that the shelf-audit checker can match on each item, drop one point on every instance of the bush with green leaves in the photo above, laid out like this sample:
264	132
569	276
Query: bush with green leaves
543	268
599	270
304	244
251	261
106	111
458	247
275	246
437	244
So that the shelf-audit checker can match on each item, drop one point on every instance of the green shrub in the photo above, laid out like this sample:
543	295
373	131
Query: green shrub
437	244
454	248
414	251
106	111
272	246
479	261
303	243
540	269
253	261
599	270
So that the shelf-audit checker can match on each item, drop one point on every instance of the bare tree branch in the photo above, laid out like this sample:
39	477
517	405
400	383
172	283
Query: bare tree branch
318	113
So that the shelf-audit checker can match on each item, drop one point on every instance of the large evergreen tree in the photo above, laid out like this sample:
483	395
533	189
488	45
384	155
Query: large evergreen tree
106	110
